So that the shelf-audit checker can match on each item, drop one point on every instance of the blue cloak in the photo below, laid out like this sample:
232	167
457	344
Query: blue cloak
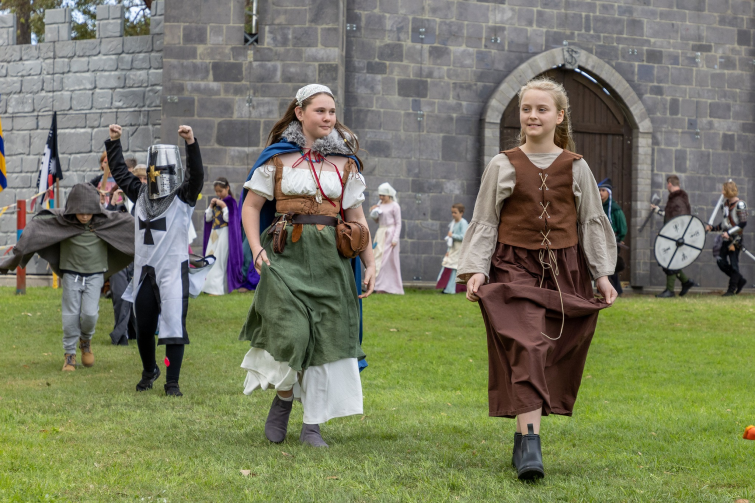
267	214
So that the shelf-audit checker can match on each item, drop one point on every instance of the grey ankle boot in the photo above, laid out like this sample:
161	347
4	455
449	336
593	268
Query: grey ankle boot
276	425
531	463
516	456
310	434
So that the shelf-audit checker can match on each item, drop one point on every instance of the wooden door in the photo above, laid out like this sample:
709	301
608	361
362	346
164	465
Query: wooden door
602	134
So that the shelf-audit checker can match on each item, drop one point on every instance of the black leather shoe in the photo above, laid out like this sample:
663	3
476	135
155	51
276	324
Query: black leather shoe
741	284
148	380
666	294
172	389
685	287
516	456
729	293
531	464
276	425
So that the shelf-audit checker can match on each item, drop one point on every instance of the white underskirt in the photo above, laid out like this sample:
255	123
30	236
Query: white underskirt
326	391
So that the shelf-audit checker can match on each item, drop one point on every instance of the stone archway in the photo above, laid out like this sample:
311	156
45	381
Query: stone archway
634	110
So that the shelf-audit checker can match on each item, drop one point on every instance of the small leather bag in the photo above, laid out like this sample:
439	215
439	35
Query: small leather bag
352	238
279	232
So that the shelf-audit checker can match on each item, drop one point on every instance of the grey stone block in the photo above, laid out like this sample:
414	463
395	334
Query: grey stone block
75	82
87	47
194	34
301	73
74	141
132	45
128	98
184	107
79	65
137	78
110	29
216	107
57	16
111	80
24	69
141	62
238	133
391	52
412	88
81	101
227	72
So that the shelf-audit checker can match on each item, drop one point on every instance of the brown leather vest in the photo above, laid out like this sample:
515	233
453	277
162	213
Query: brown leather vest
540	213
307	205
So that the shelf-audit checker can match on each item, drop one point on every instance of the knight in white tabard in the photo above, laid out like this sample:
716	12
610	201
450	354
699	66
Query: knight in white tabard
160	288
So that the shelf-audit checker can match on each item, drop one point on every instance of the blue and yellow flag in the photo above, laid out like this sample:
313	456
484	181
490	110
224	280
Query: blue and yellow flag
3	173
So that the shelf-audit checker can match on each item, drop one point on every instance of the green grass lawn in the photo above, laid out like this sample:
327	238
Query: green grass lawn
669	388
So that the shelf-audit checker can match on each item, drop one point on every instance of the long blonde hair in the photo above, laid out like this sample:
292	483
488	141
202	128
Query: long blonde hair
730	190
563	135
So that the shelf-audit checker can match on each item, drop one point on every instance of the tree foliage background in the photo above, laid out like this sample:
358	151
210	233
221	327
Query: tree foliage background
31	17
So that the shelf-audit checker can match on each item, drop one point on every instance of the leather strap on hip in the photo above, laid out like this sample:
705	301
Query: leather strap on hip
314	220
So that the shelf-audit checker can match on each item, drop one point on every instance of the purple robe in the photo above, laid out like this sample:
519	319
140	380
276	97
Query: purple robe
234	271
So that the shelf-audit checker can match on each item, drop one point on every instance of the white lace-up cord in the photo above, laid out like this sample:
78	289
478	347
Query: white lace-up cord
545	210
543	178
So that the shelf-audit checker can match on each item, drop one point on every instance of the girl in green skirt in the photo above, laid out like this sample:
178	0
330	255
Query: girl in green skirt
304	322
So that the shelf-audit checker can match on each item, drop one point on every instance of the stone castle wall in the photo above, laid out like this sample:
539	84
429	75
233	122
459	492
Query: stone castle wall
90	84
416	79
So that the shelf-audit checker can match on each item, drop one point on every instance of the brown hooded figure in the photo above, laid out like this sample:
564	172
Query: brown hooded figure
47	229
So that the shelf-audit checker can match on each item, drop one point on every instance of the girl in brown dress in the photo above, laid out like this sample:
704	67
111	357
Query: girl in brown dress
537	235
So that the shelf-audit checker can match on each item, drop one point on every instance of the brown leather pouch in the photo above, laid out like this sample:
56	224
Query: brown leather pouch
279	232
352	238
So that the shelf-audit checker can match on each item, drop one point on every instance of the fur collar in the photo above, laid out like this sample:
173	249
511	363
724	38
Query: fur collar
331	144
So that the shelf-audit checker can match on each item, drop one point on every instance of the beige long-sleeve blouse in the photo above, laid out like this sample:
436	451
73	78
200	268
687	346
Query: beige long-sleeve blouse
596	236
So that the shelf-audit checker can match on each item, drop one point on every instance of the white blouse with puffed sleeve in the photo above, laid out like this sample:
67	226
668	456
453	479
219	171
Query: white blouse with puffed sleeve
299	182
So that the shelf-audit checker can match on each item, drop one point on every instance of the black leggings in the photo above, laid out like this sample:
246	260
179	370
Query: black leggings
728	262
148	312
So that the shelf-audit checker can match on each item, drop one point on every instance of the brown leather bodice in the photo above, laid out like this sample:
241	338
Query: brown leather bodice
541	212
307	205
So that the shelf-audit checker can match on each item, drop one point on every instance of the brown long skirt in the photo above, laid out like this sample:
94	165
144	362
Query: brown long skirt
527	370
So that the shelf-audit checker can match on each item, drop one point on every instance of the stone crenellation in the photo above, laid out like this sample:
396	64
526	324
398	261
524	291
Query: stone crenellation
89	83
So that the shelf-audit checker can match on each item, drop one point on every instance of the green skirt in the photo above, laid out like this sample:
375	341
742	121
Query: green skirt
305	309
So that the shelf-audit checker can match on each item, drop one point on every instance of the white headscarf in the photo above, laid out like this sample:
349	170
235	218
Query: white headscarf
385	189
310	90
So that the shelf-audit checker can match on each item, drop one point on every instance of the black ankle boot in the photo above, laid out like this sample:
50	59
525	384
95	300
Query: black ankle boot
516	456
531	463
686	286
172	389
276	425
148	379
741	284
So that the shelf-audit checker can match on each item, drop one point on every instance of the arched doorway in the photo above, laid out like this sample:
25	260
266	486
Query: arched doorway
602	134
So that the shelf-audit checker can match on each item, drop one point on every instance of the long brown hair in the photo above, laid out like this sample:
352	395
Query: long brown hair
563	135
350	139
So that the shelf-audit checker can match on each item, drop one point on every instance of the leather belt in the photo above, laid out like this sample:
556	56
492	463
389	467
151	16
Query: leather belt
314	220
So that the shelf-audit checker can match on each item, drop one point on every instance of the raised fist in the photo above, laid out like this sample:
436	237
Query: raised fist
186	133
115	132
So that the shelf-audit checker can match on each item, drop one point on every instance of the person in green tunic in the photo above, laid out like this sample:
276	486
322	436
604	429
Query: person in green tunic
618	224
304	321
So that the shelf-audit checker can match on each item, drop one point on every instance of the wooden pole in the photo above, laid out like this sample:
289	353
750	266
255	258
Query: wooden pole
20	225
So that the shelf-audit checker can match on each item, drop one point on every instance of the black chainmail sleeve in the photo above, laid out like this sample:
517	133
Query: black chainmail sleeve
189	190
127	181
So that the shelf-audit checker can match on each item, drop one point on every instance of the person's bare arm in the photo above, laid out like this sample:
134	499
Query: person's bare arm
250	219
368	259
